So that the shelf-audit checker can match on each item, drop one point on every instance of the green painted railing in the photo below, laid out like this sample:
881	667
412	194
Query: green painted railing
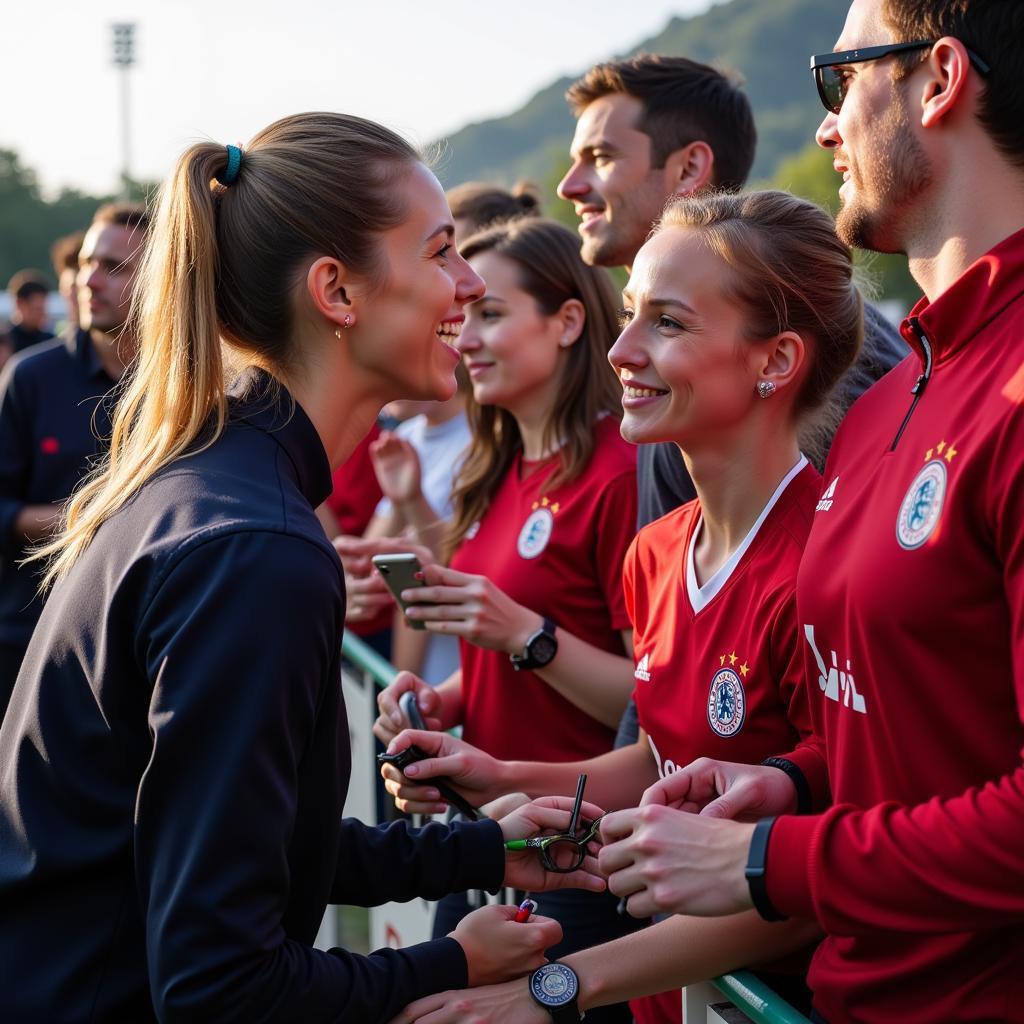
747	992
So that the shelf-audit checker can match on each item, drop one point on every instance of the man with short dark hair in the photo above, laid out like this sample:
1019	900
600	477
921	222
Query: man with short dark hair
52	417
649	128
64	256
899	825
28	291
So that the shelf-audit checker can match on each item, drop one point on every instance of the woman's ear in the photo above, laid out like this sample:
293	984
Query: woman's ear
782	360
330	288
572	316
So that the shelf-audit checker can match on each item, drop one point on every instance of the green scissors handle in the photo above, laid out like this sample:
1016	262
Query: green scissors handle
523	844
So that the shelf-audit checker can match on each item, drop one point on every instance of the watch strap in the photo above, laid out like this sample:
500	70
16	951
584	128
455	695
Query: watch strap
526	659
804	801
756	871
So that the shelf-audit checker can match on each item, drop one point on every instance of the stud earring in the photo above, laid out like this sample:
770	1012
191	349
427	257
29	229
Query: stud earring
348	320
766	388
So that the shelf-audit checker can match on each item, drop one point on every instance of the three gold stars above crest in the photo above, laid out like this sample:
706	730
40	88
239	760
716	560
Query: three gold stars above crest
732	658
943	450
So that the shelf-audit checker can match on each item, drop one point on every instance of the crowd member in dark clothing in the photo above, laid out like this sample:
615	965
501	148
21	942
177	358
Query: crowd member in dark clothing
64	254
52	419
175	758
28	291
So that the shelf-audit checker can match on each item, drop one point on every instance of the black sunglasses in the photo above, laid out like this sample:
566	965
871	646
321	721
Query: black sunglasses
831	82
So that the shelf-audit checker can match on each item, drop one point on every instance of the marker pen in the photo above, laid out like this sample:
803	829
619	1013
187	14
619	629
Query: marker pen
526	908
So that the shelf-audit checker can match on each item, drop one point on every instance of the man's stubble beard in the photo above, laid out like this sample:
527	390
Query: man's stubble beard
901	173
609	251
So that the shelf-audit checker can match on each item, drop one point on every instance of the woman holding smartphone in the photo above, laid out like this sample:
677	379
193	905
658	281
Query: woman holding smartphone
175	755
545	508
740	315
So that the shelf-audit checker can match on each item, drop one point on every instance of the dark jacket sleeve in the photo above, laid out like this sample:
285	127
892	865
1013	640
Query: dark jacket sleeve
394	863
239	642
14	457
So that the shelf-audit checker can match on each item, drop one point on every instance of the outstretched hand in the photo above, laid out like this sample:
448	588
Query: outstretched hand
545	816
397	467
666	861
724	789
498	947
391	720
476	775
472	607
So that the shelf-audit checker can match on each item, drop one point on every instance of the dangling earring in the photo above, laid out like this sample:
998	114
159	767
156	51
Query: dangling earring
766	388
347	322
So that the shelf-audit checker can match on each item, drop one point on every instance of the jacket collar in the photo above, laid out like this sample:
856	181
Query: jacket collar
976	298
263	402
80	345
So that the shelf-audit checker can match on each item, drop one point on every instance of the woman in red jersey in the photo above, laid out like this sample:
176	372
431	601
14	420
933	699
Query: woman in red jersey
544	510
741	313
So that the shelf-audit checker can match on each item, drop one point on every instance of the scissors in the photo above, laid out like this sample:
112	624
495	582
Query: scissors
563	852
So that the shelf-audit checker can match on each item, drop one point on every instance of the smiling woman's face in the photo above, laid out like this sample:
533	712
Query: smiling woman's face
686	367
512	351
409	325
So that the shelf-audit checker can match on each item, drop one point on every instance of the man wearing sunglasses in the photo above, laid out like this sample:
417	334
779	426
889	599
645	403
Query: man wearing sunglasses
911	589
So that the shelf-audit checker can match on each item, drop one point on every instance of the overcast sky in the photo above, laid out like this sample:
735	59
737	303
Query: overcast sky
223	70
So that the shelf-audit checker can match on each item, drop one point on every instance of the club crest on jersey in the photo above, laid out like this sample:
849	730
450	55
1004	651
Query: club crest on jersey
727	703
536	531
922	505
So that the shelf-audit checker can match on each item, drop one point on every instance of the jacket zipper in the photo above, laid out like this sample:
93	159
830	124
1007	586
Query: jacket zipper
922	381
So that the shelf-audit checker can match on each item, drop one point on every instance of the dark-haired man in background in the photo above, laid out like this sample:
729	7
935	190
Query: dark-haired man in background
52	417
647	129
28	291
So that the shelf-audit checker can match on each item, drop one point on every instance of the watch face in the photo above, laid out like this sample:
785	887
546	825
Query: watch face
543	648
554	985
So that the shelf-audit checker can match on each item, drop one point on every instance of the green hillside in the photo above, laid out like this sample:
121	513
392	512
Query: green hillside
767	41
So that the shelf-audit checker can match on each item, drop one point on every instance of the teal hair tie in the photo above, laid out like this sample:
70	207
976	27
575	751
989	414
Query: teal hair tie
234	166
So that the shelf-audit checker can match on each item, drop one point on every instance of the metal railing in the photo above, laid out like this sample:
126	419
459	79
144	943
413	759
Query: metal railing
744	989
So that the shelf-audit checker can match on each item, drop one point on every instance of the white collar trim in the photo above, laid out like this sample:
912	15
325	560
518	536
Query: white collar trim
701	597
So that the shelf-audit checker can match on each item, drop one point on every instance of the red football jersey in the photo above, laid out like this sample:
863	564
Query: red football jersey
911	599
559	553
719	668
356	491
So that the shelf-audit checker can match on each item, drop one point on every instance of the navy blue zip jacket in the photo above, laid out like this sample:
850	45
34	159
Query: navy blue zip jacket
175	758
51	419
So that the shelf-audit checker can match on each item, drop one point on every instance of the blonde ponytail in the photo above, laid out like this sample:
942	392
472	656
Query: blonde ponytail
219	267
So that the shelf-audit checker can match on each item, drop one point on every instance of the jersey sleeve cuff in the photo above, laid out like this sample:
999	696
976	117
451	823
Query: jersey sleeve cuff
789	877
809	762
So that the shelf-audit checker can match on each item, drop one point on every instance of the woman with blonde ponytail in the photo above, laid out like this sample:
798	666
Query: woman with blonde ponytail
175	757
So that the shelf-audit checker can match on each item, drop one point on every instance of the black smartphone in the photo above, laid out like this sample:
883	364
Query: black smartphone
411	709
399	573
